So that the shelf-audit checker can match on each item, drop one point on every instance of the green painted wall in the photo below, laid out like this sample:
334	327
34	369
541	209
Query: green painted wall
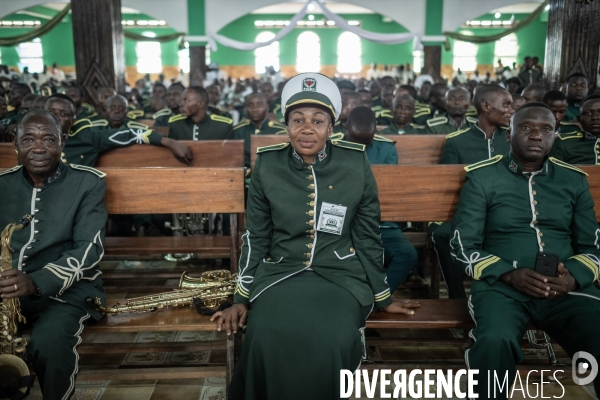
532	41
243	29
58	44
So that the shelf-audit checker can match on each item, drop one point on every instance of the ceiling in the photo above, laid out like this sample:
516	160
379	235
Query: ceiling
522	8
293	8
60	6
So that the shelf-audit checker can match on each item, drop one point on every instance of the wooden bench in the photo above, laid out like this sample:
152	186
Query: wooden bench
412	149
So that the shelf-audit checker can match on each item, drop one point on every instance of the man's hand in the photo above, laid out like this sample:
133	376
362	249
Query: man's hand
563	283
232	318
527	281
401	307
14	283
181	151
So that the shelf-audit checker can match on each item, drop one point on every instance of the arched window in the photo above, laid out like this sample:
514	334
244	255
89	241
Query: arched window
31	56
465	55
148	56
349	52
268	55
308	52
507	50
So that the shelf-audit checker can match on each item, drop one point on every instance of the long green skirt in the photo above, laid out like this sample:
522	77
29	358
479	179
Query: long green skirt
301	333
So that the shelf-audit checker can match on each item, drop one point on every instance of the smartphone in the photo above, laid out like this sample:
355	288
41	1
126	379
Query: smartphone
546	264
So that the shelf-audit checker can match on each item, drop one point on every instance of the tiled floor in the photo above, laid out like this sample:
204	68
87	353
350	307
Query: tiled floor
214	388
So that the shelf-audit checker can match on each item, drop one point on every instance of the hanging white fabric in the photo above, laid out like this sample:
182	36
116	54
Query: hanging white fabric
382	38
234	44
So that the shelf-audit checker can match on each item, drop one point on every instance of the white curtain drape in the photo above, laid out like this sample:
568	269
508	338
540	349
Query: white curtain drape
383	38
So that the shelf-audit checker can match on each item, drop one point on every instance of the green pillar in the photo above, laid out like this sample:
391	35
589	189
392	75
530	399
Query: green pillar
433	40
197	39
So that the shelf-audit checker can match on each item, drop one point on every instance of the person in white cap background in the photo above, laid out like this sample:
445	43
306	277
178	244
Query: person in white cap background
311	262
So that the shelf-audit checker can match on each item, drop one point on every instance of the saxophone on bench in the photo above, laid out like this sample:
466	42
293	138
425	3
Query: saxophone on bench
212	288
15	379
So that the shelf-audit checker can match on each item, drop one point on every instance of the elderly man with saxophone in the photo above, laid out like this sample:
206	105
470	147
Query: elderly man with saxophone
55	259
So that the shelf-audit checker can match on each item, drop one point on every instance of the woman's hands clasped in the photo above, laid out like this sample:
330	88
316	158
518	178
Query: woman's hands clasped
231	318
402	307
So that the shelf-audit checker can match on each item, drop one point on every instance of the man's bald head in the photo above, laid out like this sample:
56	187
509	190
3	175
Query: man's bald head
534	92
403	97
350	100
486	93
116	99
116	108
255	97
531	133
40	117
27	102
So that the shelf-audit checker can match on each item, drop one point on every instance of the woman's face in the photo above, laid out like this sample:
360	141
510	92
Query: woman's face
308	129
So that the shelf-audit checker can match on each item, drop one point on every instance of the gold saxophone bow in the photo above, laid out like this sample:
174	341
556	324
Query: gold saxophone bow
212	288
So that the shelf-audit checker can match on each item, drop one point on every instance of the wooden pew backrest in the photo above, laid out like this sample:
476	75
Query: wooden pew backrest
174	190
207	154
412	149
429	193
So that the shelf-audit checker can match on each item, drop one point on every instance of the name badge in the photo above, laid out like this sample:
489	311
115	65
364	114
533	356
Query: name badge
331	218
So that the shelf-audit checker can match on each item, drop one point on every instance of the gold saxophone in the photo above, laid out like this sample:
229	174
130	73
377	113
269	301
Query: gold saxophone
12	348
212	288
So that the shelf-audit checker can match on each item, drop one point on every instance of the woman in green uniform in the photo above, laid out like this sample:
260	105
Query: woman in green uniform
311	264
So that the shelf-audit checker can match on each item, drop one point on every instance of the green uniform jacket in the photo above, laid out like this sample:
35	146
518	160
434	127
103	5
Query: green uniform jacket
87	140
411	128
87	111
63	244
504	217
422	114
161	118
572	110
569	127
443	125
212	127
284	205
380	151
338	127
576	148
245	129
470	145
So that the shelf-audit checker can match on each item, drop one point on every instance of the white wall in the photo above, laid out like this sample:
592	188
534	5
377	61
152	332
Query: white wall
174	12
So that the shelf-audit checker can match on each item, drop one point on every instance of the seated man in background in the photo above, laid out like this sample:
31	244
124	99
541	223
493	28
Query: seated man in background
174	92
518	101
437	98
15	98
117	115
404	110
457	103
86	141
27	103
479	142
350	100
534	92
194	122
511	208
57	255
383	113
367	100
102	94
576	90
83	110
557	101
582	146
257	123
400	255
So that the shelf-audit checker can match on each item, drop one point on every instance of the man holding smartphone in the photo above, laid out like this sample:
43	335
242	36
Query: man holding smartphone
521	215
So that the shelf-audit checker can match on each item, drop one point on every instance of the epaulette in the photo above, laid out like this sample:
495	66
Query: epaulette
376	109
380	138
337	136
455	134
242	124
88	107
338	123
163	112
385	114
422	112
276	124
437	121
472	120
483	163
418	104
219	118
177	117
276	108
471	111
566	165
348	145
79	126
272	147
100	122
134	114
571	135
92	115
417	126
131	107
137	125
94	171
11	170
570	123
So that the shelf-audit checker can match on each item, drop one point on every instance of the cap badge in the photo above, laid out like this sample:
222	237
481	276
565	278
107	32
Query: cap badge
309	84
